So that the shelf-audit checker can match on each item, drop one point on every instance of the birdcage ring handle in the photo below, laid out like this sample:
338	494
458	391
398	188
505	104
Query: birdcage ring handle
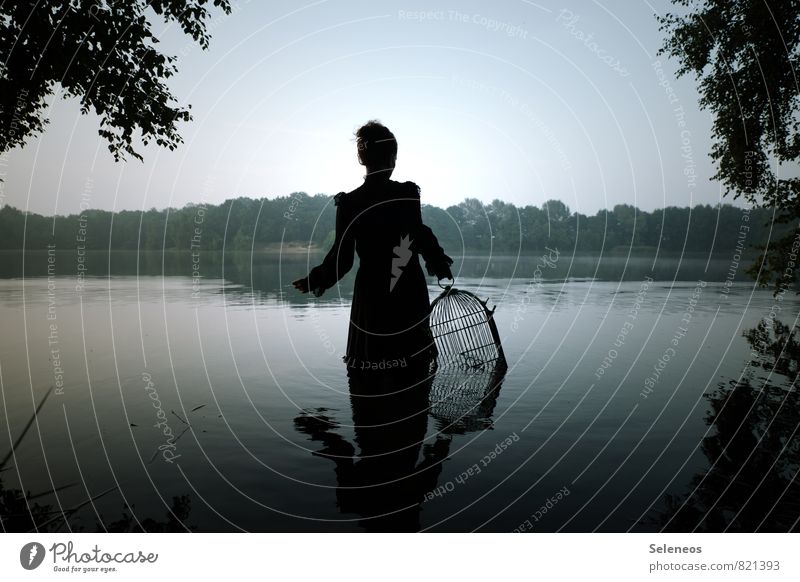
446	287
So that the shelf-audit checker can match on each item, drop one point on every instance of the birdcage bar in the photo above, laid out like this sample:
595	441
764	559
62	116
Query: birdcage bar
481	313
458	329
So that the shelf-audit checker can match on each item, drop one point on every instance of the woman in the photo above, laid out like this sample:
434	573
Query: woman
381	221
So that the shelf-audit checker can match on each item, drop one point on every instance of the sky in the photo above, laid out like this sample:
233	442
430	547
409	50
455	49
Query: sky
515	100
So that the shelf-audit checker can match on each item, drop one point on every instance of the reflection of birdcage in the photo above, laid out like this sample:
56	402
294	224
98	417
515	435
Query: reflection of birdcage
464	330
463	400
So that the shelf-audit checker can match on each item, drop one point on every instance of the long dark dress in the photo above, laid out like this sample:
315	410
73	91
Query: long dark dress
389	318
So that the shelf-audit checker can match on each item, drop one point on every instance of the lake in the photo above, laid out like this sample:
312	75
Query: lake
203	393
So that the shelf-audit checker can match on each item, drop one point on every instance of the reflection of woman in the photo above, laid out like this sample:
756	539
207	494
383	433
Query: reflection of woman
382	222
386	482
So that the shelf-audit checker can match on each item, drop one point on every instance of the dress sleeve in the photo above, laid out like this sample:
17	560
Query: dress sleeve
437	263
339	259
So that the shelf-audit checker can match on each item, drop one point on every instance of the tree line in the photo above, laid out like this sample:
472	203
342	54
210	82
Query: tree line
303	220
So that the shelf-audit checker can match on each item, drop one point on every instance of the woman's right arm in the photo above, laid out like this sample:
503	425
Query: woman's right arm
339	259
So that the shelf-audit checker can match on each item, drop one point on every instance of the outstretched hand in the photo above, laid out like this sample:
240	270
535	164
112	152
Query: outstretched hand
301	285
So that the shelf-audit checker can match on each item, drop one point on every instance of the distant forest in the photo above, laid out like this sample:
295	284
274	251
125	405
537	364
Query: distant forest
300	219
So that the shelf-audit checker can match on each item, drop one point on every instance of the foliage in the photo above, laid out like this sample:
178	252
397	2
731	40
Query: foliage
752	449
303	220
745	55
101	52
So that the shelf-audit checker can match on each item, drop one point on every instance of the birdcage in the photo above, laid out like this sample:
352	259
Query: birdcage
470	365
464	331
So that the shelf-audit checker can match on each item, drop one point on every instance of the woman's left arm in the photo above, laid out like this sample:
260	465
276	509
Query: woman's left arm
437	263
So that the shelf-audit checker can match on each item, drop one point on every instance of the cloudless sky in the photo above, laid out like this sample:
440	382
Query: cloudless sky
490	100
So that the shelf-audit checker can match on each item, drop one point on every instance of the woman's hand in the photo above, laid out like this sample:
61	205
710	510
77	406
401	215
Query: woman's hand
442	270
301	285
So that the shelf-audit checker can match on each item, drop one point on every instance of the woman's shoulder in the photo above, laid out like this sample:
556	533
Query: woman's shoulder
341	198
351	196
410	188
413	187
405	189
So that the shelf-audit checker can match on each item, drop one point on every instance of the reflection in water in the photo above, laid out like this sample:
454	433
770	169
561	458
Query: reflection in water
754	454
174	520
267	276
463	402
386	481
21	511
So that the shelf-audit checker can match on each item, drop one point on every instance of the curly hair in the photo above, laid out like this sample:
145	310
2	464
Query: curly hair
376	145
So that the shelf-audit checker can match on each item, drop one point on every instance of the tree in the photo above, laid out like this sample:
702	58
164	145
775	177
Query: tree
745	56
101	52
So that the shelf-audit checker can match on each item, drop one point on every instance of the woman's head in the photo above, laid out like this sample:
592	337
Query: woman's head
377	147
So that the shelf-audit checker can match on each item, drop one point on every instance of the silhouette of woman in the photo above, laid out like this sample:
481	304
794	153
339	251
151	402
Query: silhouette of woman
381	220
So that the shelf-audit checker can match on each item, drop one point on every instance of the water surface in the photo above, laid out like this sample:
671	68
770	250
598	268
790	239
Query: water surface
631	401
